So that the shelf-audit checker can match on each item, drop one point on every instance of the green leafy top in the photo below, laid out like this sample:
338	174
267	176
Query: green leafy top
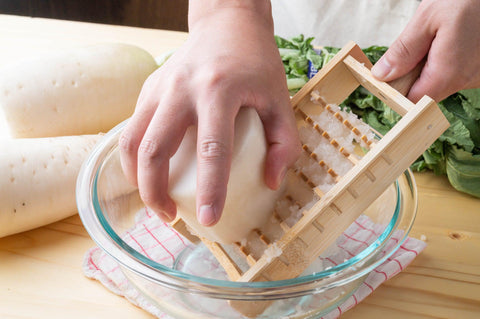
296	54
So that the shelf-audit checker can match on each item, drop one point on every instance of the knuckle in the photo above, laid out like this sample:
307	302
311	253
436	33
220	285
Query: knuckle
215	76
149	153
212	149
127	144
288	153
148	147
178	78
213	81
290	145
401	49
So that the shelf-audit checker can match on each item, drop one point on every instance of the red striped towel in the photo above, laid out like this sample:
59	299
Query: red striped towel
159	242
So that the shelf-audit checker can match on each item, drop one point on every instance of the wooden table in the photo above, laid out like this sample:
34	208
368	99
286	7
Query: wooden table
40	270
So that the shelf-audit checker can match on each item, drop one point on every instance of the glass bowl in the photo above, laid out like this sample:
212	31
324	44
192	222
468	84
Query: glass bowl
188	282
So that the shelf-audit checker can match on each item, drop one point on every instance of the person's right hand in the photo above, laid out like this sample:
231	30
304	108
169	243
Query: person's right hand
230	60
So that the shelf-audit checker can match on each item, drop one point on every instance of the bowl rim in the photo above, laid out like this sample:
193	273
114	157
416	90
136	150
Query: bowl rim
100	231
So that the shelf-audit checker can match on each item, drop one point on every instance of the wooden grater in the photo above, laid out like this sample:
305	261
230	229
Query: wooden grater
332	212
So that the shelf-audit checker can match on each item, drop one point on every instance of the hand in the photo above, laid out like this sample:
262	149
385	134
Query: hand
230	60
446	34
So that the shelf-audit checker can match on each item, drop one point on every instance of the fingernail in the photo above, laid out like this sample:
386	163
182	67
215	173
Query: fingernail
381	69
281	176
206	215
164	216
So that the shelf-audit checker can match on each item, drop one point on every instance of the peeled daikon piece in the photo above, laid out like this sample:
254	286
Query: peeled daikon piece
249	202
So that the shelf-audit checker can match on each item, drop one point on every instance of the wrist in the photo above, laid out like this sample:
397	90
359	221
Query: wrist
200	11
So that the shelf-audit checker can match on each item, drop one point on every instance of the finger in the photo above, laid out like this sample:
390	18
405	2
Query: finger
406	51
283	142
439	75
131	138
132	134
214	152
160	142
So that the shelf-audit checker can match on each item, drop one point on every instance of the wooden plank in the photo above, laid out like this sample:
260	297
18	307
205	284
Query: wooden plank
392	302
327	80
233	270
181	227
23	37
382	90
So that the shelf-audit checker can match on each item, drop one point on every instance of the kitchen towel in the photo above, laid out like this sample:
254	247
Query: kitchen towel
155	239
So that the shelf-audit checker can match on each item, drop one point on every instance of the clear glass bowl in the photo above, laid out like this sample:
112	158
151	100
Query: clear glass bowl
108	206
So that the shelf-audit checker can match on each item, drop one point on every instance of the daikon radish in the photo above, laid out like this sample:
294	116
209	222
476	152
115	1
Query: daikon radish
85	90
37	180
249	203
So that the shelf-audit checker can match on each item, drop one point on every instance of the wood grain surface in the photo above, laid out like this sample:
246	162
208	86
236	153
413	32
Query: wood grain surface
40	270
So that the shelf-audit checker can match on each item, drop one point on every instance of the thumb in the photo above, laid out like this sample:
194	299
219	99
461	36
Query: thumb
283	143
405	53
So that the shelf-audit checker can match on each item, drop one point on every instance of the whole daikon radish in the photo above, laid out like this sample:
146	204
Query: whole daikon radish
249	203
84	90
37	179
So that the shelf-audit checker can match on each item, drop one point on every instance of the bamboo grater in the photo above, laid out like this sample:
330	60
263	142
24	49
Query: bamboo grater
320	223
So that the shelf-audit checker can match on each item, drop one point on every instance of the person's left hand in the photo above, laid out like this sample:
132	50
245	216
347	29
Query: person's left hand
447	34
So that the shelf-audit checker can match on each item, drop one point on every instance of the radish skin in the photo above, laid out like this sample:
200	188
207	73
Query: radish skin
85	90
37	180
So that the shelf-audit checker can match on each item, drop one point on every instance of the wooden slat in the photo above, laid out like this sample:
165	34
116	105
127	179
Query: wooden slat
327	80
179	225
382	90
233	271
